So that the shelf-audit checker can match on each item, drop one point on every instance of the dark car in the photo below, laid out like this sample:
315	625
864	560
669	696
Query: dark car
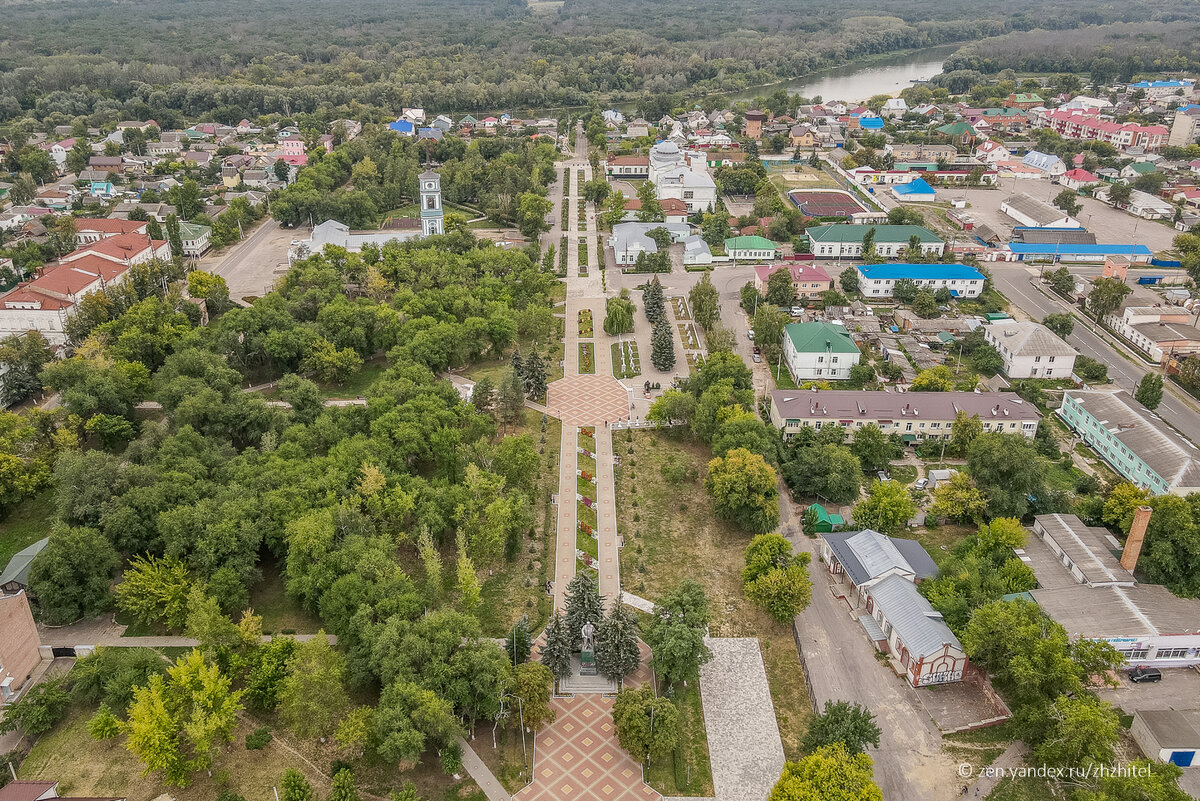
1140	674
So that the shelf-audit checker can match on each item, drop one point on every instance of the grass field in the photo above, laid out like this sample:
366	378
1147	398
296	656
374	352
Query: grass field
280	613
90	768
618	360
25	524
687	772
673	534
496	369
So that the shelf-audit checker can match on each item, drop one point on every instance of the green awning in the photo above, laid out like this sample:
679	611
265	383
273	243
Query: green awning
909	437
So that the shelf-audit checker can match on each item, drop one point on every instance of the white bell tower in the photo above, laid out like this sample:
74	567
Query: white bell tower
432	217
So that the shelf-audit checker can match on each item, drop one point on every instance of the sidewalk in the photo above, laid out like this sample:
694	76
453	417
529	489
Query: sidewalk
481	774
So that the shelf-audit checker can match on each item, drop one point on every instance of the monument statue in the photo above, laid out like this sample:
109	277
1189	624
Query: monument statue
589	637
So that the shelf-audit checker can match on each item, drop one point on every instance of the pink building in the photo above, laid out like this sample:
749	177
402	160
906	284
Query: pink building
808	279
1092	127
292	147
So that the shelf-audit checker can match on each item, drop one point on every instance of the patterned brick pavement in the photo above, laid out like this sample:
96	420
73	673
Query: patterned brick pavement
581	400
579	759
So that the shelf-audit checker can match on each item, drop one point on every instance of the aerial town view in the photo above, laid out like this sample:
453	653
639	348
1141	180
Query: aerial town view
599	400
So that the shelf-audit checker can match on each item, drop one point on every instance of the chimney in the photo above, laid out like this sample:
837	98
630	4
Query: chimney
1137	533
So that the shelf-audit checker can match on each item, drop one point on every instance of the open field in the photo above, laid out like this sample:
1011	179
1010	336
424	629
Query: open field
672	534
26	523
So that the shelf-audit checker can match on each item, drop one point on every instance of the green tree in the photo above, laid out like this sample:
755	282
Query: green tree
483	396
533	683
176	724
1106	296
555	652
1068	201
618	314
535	375
24	356
934	379
1120	504
965	429
849	279
533	209
830	773
104	725
342	788
676	633
410	719
510	402
873	448
174	239
1061	281
78	156
869	254
1060	324
924	305
905	290
614	210
1171	553
780	290
617	652
313	696
672	406
769	325
23	190
987	360
70	577
1007	469
39	709
1149	391
584	605
662	346
958	499
775	578
330	364
705	302
651	210
596	191
841	722
887	508
743	489
647	724
1082	731
154	590
295	787
653	302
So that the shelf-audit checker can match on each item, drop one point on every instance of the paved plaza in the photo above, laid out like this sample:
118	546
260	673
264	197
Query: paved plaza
584	400
578	757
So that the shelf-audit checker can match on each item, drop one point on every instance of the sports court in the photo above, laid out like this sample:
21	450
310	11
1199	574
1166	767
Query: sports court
825	202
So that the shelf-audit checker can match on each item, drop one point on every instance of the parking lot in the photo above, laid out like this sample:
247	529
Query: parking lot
1108	224
1179	689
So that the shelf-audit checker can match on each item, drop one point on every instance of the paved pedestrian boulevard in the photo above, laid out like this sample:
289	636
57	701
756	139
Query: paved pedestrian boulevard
579	759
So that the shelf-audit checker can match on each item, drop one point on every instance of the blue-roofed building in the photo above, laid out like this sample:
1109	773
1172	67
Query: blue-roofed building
918	191
878	280
1157	90
871	123
1137	254
403	127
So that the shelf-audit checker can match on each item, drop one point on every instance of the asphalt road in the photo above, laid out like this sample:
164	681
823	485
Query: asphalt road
1019	284
251	267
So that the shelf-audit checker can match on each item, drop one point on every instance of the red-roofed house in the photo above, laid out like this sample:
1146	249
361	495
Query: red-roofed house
808	280
1092	127
1077	179
674	209
45	303
89	231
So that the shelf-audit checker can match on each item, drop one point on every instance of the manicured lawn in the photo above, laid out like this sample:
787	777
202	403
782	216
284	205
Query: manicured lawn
673	534
587	439
280	613
583	254
586	328
26	523
587	358
939	541
618	360
358	383
496	369
687	771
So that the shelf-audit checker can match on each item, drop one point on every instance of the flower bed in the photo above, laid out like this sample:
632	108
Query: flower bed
587	359
586	330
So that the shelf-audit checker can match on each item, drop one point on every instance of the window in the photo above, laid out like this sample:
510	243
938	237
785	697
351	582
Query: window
1171	653
1037	359
1051	358
908	427
834	359
819	371
1133	654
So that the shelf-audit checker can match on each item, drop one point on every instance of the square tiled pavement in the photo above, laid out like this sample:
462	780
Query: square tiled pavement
578	758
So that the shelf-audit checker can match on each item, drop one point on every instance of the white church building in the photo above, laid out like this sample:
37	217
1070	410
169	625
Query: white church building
433	223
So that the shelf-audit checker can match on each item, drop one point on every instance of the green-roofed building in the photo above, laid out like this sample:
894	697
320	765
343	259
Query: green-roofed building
826	520
195	238
1024	100
844	240
819	351
959	132
751	248
15	576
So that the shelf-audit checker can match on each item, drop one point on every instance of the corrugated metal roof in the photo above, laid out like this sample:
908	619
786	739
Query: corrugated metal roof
918	625
920	272
18	567
1029	249
867	554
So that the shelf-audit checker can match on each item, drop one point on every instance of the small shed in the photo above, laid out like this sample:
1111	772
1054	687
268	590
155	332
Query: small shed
1165	735
826	521
16	575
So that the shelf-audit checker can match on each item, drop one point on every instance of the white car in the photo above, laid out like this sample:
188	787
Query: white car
750	334
797	311
922	483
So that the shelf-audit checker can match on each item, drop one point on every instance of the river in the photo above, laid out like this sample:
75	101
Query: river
858	82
